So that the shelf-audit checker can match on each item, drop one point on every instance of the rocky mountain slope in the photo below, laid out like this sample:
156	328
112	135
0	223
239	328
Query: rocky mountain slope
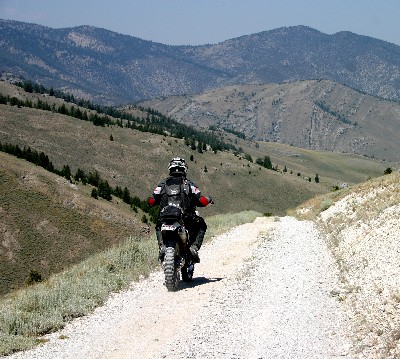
314	114
113	68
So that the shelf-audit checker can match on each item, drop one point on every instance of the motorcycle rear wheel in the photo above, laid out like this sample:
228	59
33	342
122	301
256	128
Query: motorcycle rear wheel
171	270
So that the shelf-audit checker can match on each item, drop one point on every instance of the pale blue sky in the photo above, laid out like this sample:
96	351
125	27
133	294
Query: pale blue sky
198	22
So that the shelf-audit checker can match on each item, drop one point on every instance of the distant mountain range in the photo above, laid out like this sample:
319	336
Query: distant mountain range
111	68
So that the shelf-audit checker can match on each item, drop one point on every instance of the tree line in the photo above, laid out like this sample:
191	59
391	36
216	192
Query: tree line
101	187
324	107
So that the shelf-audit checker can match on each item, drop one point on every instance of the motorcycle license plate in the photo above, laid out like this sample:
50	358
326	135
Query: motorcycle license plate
168	227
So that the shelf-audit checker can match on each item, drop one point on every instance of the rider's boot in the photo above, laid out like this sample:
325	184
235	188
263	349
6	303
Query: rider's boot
194	248
161	246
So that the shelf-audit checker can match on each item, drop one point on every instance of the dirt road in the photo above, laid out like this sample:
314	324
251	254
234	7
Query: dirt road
262	290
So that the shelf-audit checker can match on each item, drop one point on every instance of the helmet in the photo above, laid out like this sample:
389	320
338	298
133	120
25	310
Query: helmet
177	167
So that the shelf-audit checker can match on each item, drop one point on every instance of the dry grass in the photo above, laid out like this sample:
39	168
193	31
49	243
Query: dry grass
46	307
221	223
48	224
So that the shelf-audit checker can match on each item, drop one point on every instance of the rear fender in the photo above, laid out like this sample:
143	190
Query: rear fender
170	227
174	232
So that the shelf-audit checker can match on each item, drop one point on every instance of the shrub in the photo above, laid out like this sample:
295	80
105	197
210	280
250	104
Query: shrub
325	204
94	193
33	277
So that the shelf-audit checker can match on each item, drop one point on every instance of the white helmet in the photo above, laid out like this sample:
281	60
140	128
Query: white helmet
177	167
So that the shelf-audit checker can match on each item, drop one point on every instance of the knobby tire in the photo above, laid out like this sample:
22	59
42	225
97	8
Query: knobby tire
171	271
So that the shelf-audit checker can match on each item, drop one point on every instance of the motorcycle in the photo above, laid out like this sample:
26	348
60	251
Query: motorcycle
177	259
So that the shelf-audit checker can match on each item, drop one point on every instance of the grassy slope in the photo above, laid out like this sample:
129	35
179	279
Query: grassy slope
333	168
46	224
139	160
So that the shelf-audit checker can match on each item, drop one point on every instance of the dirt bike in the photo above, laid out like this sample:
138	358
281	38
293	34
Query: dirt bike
177	259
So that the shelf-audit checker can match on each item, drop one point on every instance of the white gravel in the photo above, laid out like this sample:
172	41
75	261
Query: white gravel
262	290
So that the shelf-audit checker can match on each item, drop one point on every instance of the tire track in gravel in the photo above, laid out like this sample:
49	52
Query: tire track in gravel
261	291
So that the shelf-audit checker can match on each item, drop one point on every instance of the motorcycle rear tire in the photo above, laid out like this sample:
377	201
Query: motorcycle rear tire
171	271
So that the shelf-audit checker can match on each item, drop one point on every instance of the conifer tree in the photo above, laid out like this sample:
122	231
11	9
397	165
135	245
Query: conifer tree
66	172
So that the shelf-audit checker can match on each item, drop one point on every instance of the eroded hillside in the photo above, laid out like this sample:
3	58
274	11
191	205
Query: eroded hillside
362	227
317	115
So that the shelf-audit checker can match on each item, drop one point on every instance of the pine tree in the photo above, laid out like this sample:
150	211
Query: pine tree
66	172
94	193
126	197
104	190
267	162
80	176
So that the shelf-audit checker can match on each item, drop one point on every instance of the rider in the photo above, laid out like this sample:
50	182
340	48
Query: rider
192	198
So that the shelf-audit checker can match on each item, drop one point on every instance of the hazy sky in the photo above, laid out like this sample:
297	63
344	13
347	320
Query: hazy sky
198	22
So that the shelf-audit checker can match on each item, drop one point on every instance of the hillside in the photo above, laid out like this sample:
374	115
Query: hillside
138	160
113	68
48	223
43	206
316	114
362	227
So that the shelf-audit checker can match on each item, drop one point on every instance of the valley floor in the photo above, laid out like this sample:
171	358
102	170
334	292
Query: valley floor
262	290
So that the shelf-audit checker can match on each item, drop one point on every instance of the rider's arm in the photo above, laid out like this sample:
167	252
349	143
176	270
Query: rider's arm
202	201
156	196
205	201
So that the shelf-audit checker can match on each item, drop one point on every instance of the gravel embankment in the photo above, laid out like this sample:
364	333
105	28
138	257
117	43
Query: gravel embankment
262	290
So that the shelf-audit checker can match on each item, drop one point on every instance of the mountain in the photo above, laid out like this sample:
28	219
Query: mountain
111	68
314	114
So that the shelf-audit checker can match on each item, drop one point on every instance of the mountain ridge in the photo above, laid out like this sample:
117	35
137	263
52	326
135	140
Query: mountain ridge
113	68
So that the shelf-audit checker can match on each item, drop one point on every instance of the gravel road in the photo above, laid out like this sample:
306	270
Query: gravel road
262	290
